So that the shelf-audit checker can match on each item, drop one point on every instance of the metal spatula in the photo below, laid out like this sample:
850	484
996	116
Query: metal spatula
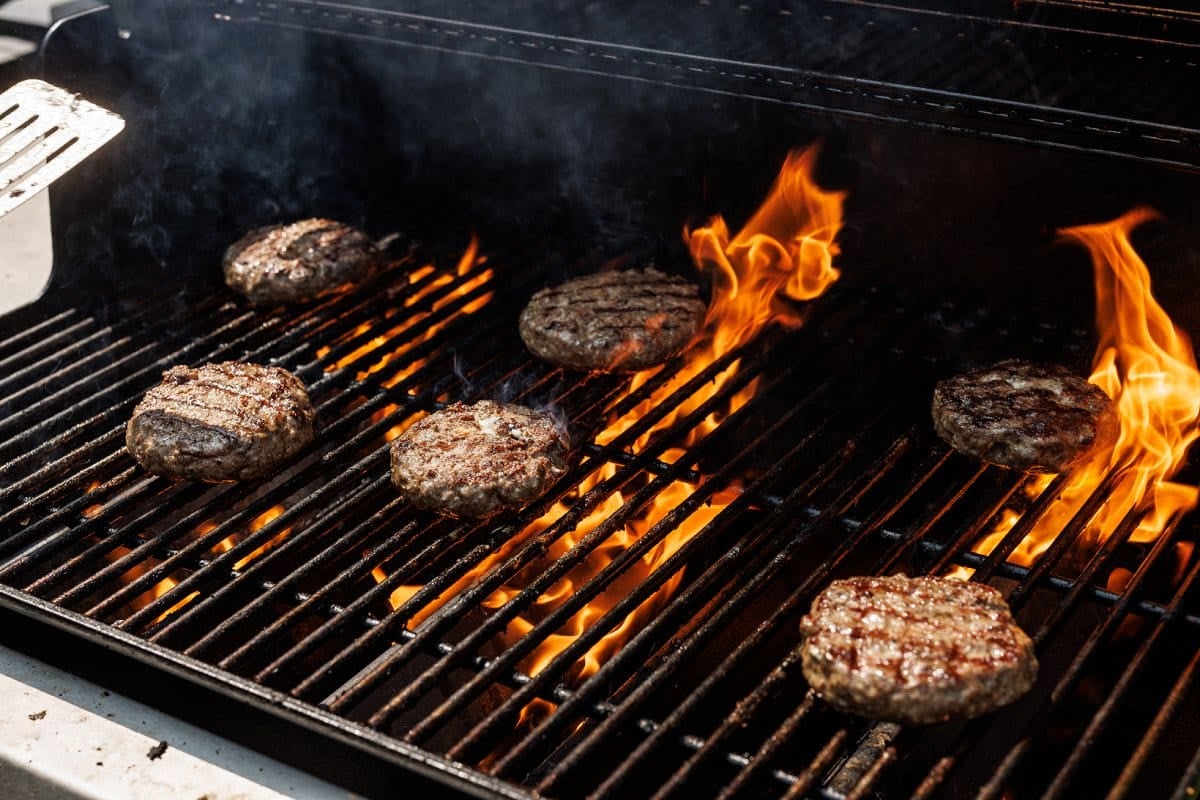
44	131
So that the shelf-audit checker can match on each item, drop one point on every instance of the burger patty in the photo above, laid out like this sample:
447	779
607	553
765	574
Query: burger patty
476	460
293	263
915	650
612	321
1027	416
220	422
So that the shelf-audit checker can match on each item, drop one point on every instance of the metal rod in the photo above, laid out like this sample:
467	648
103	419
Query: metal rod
746	707
737	596
1101	718
495	623
1170	708
184	526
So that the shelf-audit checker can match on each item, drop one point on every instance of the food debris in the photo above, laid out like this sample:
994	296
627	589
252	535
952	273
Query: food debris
39	715
157	751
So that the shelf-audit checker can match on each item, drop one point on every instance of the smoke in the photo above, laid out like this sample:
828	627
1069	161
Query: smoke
233	125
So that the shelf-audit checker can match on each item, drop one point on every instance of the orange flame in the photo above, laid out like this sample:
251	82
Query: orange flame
785	250
1147	365
470	258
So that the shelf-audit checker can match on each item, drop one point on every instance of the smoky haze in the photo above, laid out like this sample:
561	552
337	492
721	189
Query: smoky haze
234	125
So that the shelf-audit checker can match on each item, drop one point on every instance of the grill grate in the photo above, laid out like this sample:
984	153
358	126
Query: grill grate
287	584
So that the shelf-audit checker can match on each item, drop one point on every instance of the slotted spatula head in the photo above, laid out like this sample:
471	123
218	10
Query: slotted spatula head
44	131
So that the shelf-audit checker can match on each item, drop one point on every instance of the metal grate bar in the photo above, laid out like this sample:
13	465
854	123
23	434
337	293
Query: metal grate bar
73	352
33	340
446	616
563	661
497	621
1170	708
63	397
1074	671
1101	720
746	707
732	596
295	335
229	526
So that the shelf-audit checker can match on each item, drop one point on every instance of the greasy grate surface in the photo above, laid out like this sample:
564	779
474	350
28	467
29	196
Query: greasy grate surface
287	582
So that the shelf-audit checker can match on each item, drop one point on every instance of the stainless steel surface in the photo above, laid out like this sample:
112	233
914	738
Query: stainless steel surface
44	132
65	738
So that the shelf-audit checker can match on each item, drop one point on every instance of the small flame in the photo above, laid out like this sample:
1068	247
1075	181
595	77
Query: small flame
1147	365
95	509
470	258
160	589
785	251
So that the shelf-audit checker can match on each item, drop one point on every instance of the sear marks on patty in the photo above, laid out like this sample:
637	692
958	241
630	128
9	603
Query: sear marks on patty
294	263
221	422
1039	417
915	650
612	321
476	460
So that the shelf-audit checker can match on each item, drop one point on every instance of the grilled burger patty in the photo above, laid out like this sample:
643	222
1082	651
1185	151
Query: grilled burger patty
915	650
612	321
297	262
220	422
475	460
1038	417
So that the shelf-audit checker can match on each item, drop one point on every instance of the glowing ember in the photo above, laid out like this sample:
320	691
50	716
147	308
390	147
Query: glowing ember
1146	364
785	251
416	321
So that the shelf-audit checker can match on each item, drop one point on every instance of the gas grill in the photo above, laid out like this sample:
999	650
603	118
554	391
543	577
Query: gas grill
318	618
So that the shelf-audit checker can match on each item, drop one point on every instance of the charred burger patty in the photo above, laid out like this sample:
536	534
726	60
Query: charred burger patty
476	460
220	422
612	321
1027	416
293	263
915	650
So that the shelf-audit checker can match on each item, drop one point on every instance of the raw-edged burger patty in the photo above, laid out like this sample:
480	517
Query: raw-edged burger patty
476	460
220	422
293	263
612	321
1027	416
915	650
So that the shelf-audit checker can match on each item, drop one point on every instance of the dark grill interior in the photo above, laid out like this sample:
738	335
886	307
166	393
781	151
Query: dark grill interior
318	617
1064	75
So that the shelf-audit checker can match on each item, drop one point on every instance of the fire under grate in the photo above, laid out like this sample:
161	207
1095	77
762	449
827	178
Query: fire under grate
319	584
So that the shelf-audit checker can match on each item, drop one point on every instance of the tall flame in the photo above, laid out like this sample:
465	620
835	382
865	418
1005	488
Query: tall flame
785	250
1146	364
